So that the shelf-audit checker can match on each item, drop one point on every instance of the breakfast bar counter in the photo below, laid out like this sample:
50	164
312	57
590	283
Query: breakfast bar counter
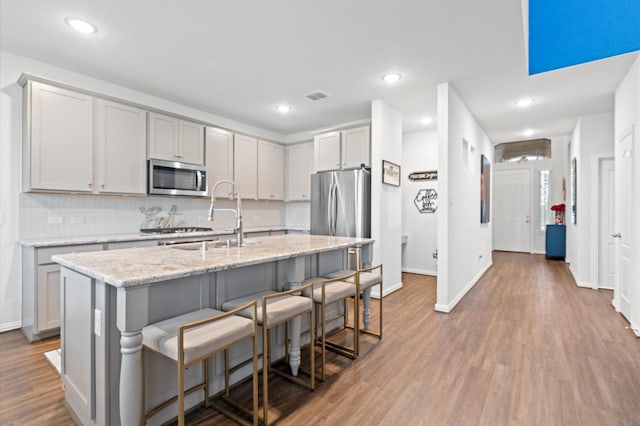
109	296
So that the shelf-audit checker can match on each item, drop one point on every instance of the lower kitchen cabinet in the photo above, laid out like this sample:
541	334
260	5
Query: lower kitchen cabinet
41	289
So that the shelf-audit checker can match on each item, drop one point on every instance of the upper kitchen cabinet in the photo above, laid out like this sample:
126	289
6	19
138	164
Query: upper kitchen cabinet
299	169
327	151
173	139
58	139
270	171
120	135
342	150
219	157
245	165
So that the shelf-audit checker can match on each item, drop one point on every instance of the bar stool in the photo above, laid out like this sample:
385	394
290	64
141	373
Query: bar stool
196	336
329	291
367	278
275	308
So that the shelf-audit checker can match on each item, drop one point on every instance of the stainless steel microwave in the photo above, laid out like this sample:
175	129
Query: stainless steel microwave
175	178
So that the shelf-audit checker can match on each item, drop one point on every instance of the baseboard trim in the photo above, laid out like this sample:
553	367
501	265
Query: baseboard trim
579	283
538	252
385	291
636	330
448	308
8	326
605	288
420	271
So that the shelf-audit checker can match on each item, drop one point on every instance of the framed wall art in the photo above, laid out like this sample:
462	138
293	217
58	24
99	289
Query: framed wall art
390	173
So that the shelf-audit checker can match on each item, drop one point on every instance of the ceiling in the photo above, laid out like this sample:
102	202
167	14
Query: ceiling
240	59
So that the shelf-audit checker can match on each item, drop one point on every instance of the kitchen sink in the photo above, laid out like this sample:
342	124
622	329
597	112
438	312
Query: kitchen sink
214	244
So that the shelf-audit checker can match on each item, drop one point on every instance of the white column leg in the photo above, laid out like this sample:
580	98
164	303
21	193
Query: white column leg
131	378
294	347
295	276
366	311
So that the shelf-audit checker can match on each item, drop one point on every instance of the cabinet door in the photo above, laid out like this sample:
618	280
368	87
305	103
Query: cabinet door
191	143
219	157
121	135
61	139
327	151
245	165
163	137
355	147
299	166
48	303
270	171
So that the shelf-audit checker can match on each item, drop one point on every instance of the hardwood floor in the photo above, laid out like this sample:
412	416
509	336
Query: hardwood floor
525	346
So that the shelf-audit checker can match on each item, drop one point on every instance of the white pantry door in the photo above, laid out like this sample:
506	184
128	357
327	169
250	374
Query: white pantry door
624	196
512	209
607	243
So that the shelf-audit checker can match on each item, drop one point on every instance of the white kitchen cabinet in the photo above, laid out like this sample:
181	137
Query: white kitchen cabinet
48	297
191	142
355	147
219	158
173	139
270	171
245	165
41	289
120	135
299	169
327	151
58	142
342	150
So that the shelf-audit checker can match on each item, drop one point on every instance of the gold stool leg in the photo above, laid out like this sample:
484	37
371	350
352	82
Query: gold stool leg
265	374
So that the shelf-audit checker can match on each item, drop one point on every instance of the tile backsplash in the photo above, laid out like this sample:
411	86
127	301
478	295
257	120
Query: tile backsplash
66	215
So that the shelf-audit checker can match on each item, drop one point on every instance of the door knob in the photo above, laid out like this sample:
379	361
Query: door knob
616	235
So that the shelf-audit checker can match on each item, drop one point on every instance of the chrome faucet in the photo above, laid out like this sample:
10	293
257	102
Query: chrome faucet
238	211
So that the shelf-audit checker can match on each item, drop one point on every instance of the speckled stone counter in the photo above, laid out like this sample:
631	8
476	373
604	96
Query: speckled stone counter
116	238
140	266
108	297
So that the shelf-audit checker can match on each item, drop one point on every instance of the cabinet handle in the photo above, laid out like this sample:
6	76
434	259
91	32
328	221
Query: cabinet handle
344	163
89	183
102	185
338	163
616	235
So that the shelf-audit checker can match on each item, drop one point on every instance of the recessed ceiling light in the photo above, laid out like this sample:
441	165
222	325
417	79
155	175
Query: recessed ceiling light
391	78
527	132
525	102
81	26
283	108
426	120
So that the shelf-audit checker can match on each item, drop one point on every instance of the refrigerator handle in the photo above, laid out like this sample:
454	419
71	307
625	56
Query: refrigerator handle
335	209
330	209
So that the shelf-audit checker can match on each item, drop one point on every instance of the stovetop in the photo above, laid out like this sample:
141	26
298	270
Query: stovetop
179	229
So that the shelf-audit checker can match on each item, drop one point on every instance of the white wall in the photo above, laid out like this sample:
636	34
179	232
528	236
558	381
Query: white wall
558	164
464	244
386	200
11	66
593	135
627	114
419	153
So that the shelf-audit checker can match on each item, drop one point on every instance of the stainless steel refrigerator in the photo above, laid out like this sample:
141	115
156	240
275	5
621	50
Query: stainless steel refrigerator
341	203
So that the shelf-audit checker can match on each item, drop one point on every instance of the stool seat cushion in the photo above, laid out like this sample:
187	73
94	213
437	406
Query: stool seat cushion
333	291
199	342
278	309
367	279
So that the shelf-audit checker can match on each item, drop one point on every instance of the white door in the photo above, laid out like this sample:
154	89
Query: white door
511	214
624	197
606	242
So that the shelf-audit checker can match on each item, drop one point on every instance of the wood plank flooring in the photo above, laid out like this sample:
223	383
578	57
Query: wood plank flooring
524	347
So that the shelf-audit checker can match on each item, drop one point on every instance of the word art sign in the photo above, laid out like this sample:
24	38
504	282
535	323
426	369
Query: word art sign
430	175
426	201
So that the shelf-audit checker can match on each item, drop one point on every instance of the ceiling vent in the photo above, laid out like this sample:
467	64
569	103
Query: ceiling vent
317	95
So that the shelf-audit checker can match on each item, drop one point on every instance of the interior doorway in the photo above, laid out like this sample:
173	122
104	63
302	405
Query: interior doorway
512	210
606	245
624	216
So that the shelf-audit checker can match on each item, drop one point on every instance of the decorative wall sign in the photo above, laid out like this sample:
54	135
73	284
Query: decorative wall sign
390	173
430	175
425	201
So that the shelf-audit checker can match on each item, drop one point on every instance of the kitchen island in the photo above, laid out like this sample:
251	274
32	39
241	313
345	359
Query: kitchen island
109	296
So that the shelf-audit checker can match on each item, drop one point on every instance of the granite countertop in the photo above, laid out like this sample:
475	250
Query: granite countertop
143	266
116	238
